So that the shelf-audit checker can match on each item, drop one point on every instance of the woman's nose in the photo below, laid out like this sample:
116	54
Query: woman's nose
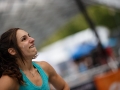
31	39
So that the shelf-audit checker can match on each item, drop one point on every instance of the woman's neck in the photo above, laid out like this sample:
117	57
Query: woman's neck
26	65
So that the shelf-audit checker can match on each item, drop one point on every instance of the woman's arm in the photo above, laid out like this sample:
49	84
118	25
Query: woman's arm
55	79
8	83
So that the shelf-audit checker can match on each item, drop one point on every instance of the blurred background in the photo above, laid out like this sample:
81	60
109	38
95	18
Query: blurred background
79	38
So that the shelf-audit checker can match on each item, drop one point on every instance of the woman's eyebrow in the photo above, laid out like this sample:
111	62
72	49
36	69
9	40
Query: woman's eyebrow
28	34
25	35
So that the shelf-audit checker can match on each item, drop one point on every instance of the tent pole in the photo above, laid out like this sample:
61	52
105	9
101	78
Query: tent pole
82	9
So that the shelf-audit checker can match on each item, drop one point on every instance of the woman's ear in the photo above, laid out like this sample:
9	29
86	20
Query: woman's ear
12	51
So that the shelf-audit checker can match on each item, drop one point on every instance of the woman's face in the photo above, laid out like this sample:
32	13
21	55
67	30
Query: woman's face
26	44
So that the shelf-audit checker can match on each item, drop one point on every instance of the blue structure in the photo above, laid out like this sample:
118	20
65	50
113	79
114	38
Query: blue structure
82	50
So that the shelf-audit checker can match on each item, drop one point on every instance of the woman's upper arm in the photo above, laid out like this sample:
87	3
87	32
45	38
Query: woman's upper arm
55	79
8	83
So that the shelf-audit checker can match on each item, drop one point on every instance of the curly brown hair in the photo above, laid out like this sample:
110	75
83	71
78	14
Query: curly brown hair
8	65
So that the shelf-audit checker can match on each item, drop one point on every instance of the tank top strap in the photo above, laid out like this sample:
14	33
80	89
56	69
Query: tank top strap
40	70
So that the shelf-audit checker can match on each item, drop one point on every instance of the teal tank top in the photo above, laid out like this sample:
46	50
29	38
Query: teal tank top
30	86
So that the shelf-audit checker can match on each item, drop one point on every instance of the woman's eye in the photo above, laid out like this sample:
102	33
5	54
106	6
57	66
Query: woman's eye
23	39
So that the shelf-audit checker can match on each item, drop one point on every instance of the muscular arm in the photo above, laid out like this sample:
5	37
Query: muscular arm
54	78
8	83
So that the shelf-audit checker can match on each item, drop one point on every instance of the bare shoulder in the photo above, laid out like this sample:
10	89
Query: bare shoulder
43	64
6	80
8	83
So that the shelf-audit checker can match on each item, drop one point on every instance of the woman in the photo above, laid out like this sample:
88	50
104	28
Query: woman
17	49
10	76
